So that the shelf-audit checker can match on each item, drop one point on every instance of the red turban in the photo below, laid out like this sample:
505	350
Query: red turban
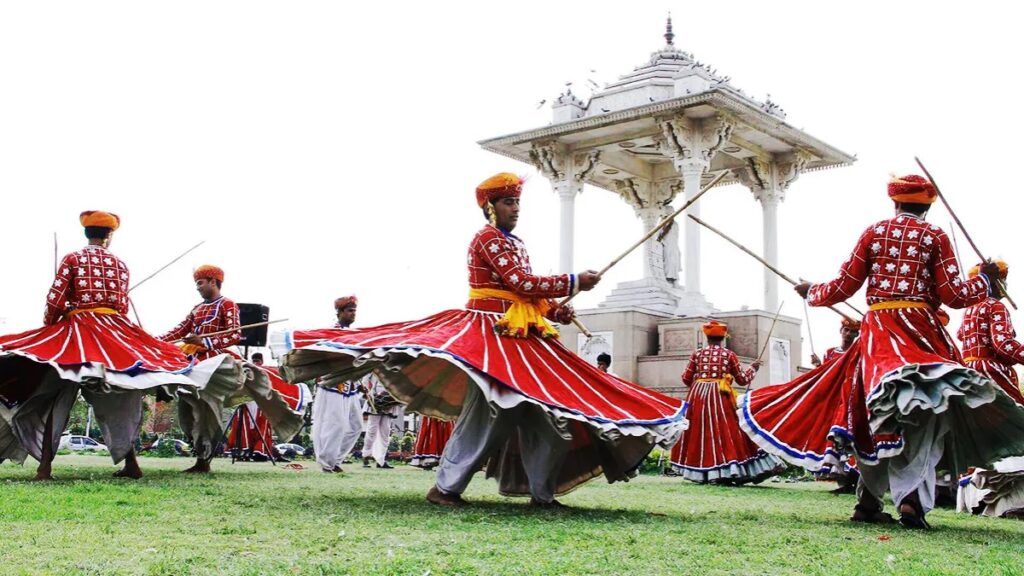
208	271
99	219
503	185
340	303
715	329
912	189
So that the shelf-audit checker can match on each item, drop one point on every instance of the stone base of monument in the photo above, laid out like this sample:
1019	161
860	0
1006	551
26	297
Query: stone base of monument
652	347
657	296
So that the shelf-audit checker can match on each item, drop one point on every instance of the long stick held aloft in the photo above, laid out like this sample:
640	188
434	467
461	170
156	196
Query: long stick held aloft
764	262
230	330
770	330
664	222
165	266
810	335
963	229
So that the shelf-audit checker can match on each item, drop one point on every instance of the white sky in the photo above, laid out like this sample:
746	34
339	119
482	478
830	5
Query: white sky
324	148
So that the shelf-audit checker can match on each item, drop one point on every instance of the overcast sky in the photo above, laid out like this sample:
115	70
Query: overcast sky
325	148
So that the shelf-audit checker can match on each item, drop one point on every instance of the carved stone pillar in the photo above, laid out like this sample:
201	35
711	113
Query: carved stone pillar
691	144
768	180
566	172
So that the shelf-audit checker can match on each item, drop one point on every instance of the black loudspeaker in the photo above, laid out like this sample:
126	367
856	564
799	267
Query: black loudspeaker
253	314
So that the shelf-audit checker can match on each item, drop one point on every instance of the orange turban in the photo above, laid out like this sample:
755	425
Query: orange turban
340	303
715	329
1004	269
503	185
851	323
99	219
912	189
208	271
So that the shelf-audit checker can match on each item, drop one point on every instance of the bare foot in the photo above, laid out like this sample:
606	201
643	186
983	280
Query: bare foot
129	472
131	467
553	505
200	467
435	496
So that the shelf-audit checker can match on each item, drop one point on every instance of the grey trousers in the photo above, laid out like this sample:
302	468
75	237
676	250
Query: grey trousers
120	417
483	429
912	470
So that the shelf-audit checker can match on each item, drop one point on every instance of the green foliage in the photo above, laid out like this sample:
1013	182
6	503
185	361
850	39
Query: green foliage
255	518
164	449
656	462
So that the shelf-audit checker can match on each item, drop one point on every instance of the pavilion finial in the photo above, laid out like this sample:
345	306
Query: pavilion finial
668	30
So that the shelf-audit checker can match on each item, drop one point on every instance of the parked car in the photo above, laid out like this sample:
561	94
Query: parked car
289	450
181	448
80	443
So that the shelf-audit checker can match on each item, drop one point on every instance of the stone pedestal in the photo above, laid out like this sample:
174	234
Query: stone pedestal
748	330
626	333
652	348
657	296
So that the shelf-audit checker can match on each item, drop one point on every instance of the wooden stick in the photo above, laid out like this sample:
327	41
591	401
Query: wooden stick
810	335
770	330
230	330
997	280
583	329
765	263
664	222
165	266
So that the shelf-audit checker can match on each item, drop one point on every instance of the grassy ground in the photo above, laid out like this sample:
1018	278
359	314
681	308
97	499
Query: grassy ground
258	519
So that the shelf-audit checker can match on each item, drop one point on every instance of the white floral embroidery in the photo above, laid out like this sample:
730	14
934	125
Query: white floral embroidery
911	250
879	229
905	269
885	284
890	267
896	233
927	240
902	286
913	234
894	251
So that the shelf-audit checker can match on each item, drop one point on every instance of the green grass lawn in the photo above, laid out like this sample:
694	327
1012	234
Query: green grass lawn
251	518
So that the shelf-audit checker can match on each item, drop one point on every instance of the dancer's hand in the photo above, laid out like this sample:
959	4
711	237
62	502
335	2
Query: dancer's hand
756	365
802	289
815	360
588	279
564	314
194	340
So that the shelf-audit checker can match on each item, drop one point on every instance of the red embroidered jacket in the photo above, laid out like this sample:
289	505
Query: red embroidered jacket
832	354
903	258
89	278
713	363
987	332
498	260
206	318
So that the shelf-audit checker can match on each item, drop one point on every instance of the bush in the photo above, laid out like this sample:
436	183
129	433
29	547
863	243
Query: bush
655	462
165	450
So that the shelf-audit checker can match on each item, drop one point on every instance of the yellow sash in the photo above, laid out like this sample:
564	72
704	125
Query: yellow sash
523	314
190	349
105	311
724	385
895	304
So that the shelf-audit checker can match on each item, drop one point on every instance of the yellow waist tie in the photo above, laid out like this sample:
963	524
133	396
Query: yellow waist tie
106	311
971	359
523	314
724	385
895	304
